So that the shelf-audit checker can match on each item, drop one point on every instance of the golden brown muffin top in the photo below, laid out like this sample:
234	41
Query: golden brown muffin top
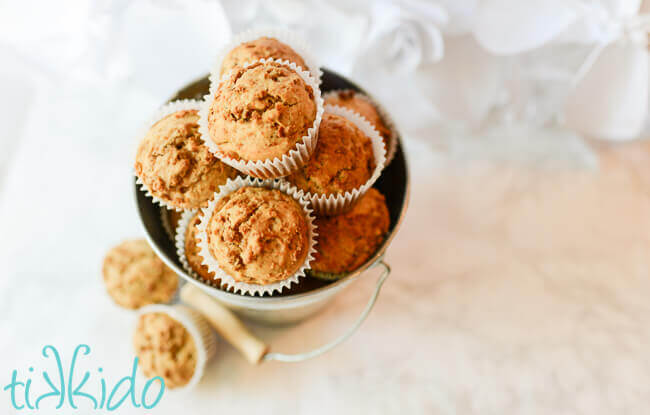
261	112
347	241
176	166
262	48
134	276
351	100
193	252
258	235
165	348
342	161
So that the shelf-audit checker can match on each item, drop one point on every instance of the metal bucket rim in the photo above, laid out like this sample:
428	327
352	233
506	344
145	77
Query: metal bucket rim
280	302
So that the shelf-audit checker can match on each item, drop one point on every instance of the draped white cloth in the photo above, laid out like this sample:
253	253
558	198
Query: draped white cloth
520	275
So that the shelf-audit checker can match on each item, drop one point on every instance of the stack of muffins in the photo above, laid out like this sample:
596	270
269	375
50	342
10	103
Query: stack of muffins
264	182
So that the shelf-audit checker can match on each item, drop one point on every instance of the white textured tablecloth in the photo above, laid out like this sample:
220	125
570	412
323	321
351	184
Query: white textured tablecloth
517	287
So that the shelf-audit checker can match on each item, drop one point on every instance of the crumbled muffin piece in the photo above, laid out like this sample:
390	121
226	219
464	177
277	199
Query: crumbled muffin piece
342	161
261	112
176	166
134	276
347	241
258	235
193	252
165	348
352	100
262	48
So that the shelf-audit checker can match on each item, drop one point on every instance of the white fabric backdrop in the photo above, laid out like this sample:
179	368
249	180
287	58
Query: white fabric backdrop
520	274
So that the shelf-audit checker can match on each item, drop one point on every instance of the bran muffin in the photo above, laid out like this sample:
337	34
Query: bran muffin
165	348
193	252
347	241
258	235
262	48
261	112
342	161
356	102
175	165
134	276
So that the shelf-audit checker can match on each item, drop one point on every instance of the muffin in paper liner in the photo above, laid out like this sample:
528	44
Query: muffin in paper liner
162	112
335	203
269	168
383	114
197	326
228	282
179	240
291	39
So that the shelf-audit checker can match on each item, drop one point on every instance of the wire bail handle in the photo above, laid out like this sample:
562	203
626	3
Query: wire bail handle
299	357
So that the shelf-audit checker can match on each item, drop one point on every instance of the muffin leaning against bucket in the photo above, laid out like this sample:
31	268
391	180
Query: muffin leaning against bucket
172	163
257	236
134	276
348	240
174	343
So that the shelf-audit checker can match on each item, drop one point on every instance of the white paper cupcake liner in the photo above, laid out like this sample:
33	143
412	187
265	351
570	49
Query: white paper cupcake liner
333	204
200	330
179	238
269	168
389	122
228	282
162	112
291	39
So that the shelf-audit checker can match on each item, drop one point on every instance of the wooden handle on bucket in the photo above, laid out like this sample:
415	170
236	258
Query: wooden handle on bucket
226	323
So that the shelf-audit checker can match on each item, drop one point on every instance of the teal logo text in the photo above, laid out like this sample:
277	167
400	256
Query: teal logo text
68	389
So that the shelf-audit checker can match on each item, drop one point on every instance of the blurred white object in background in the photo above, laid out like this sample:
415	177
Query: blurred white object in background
404	41
403	36
610	101
607	97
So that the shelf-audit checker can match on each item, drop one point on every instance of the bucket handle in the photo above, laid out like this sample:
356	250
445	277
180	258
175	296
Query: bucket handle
252	348
299	357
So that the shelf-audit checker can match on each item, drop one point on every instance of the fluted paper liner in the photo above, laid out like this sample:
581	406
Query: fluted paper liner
278	166
198	327
383	114
179	240
335	203
228	282
291	39
162	112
